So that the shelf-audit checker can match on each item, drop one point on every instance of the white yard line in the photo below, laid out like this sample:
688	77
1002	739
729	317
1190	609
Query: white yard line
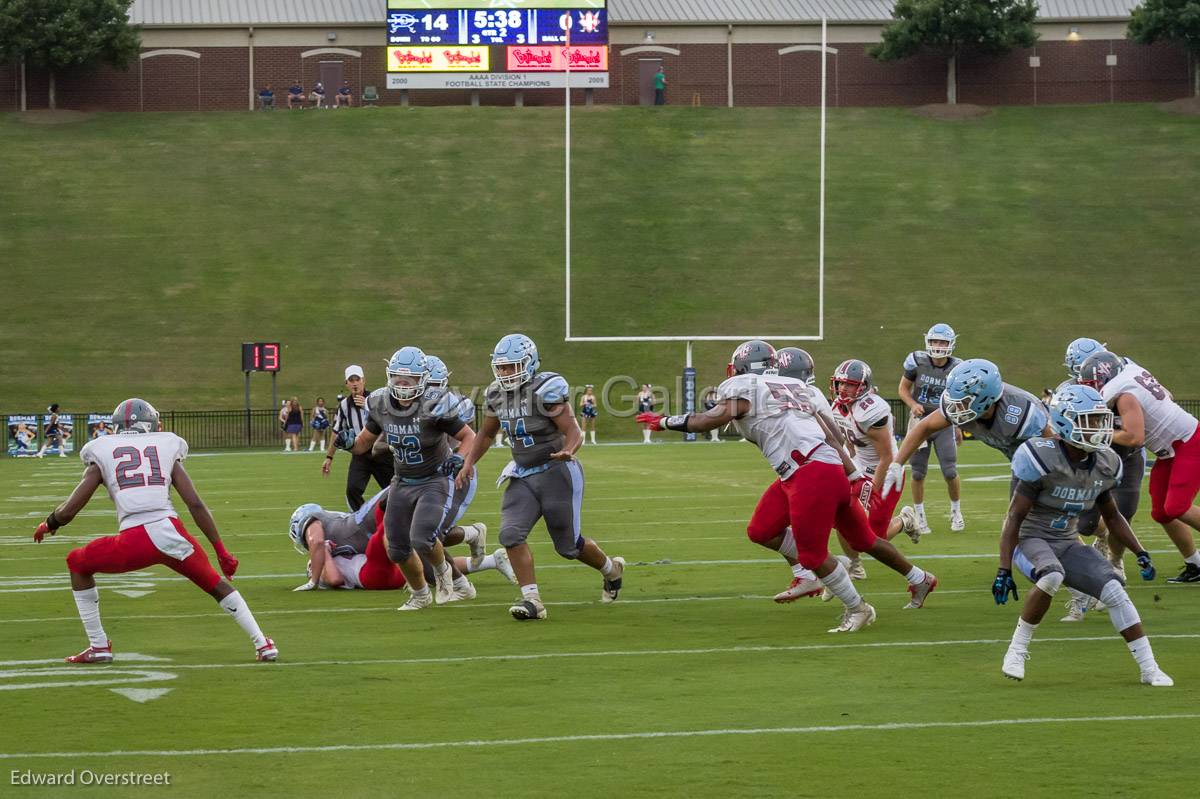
617	736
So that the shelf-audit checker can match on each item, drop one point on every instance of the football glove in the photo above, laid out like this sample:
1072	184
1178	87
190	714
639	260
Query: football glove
651	420
40	533
308	586
452	465
893	480
1147	567
345	439
1003	585
228	562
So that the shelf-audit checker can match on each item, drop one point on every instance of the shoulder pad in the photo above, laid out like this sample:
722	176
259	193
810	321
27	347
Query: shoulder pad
870	409
1027	465
552	387
910	362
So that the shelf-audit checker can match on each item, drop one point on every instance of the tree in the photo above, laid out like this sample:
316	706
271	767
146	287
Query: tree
1169	20
950	28
62	34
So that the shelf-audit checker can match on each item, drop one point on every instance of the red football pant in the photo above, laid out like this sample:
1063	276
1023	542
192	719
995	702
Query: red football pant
379	573
131	550
879	510
1174	482
813	501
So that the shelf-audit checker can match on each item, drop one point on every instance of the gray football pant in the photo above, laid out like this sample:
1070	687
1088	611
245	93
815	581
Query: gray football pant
555	495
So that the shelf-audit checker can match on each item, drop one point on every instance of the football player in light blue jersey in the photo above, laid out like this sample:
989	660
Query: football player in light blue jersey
1079	351
533	407
1058	479
979	402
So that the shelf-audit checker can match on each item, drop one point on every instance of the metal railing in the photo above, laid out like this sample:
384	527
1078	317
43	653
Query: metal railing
242	429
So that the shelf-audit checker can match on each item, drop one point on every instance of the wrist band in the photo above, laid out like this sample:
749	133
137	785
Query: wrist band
678	422
52	521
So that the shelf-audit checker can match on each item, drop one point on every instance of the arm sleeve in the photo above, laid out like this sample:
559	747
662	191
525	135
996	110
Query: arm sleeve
373	427
1030	490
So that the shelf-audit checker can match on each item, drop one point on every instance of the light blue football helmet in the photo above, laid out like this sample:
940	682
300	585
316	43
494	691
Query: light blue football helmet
519	349
439	375
300	519
940	332
1079	351
1079	416
971	389
407	363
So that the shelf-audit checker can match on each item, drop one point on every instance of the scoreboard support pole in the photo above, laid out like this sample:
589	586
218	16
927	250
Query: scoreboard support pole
247	408
274	397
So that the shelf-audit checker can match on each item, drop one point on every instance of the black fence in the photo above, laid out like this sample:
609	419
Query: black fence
237	429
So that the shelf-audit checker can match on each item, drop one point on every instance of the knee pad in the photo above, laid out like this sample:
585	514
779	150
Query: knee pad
511	538
571	553
1120	608
919	475
1050	582
787	547
950	472
1160	515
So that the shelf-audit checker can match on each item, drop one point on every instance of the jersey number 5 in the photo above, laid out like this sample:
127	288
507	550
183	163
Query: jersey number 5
130	460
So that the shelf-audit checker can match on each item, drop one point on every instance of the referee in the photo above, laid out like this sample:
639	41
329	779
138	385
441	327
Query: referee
378	463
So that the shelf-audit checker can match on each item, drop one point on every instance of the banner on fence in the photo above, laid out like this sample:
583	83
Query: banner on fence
98	424
22	436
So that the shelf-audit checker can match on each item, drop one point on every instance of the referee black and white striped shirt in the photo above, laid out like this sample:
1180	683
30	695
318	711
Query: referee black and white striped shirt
350	415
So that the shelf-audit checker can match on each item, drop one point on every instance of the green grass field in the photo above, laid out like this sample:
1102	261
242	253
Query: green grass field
693	684
139	250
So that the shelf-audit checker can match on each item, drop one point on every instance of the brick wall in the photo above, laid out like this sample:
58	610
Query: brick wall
1070	72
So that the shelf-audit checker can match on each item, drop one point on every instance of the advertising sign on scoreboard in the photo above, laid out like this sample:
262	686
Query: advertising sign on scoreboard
432	43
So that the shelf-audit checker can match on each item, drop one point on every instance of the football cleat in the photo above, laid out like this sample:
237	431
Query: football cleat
854	619
93	654
922	523
957	522
612	585
920	591
528	610
267	652
466	592
908	523
1190	574
479	545
800	588
503	566
1077	606
855	569
1014	663
1157	678
417	602
443	591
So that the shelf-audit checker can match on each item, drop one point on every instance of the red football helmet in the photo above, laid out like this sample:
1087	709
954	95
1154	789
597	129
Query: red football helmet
851	381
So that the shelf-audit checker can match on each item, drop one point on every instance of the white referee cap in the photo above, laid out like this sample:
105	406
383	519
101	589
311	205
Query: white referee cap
353	371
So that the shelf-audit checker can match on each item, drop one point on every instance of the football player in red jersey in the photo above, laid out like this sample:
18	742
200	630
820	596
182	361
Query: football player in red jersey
139	465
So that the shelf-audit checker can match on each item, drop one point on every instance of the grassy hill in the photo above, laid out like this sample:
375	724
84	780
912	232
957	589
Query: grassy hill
139	250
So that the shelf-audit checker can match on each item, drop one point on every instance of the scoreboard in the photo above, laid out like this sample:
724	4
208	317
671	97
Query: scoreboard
472	44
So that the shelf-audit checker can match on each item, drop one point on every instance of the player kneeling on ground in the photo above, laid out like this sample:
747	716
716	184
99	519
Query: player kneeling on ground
138	466
348	550
1059	478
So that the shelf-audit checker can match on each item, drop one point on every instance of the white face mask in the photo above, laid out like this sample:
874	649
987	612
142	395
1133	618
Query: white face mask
1091	430
959	411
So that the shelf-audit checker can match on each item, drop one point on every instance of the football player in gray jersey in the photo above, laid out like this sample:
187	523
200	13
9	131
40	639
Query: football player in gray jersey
921	387
1059	478
979	402
544	480
422	494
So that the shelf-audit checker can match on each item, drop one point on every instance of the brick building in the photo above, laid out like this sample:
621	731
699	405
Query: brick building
214	55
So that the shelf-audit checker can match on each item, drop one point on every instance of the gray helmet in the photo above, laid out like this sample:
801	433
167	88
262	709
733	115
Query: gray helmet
1098	369
795	362
135	416
854	373
755	357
